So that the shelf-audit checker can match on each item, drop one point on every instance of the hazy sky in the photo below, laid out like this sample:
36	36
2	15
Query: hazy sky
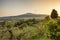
18	7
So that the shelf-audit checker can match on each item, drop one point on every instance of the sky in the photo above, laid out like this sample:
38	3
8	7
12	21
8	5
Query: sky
18	7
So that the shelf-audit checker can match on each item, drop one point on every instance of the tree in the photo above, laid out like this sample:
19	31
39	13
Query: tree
47	18
54	14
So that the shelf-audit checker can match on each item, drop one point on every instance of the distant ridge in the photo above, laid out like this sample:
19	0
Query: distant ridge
24	16
31	15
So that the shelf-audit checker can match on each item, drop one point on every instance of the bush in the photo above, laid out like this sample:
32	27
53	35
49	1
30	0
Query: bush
52	27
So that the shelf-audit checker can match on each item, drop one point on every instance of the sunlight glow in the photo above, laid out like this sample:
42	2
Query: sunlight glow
58	10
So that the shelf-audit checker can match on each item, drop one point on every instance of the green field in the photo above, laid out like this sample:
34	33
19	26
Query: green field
31	29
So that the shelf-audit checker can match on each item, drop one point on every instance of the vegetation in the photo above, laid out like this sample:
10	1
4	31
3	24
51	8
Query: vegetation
31	29
54	14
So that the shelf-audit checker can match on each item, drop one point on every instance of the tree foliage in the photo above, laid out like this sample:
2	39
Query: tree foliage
53	29
54	14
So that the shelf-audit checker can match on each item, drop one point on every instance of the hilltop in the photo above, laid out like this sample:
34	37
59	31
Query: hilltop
24	16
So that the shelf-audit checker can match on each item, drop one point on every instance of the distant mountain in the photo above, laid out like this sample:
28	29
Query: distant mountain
31	15
24	16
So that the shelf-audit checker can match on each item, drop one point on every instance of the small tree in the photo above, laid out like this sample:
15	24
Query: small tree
54	14
47	18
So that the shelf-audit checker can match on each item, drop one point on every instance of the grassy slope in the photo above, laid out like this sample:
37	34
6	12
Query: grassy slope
28	32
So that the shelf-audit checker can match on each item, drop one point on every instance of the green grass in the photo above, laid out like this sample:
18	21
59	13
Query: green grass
27	30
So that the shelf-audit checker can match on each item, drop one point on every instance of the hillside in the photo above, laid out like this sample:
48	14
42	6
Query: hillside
24	16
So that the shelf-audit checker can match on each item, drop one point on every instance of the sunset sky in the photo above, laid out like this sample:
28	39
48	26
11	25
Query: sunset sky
18	7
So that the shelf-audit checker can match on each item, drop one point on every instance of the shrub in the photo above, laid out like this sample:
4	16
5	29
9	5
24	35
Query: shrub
52	27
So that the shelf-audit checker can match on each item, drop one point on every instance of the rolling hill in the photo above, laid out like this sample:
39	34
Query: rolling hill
24	16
